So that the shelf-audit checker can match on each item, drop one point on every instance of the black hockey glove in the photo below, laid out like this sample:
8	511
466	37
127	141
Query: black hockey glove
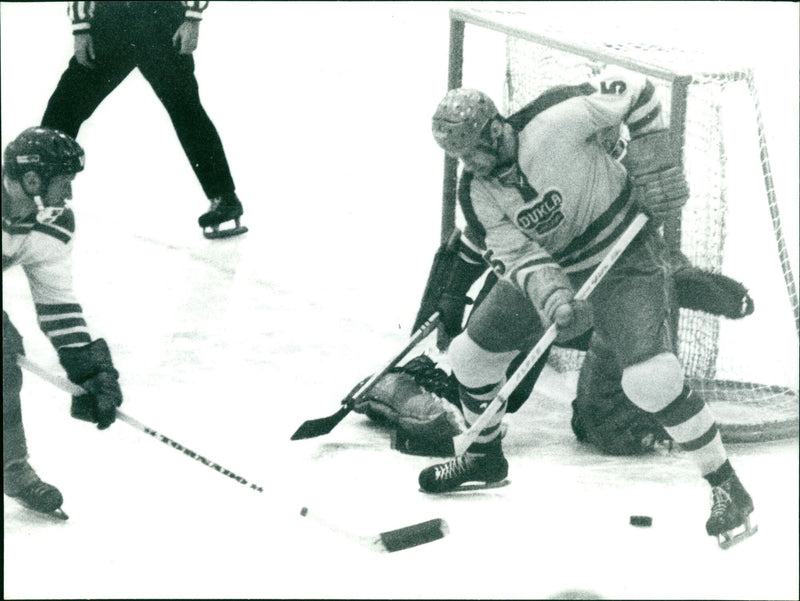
92	368
712	292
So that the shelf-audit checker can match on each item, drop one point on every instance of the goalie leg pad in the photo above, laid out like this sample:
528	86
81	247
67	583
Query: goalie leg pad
603	416
654	383
413	398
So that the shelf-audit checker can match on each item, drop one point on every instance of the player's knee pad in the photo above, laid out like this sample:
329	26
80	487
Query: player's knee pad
474	366
654	383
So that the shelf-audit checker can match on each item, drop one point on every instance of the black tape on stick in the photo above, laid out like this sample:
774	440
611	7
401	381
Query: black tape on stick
412	536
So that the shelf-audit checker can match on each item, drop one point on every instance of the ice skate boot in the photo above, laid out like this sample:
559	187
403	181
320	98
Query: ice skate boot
488	469
20	482
223	208
731	507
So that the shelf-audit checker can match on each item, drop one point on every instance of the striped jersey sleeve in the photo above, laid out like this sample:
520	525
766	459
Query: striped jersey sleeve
63	324
194	10
44	251
82	13
58	312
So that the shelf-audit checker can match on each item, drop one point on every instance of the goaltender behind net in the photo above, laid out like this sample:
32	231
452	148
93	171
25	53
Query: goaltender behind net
544	201
38	169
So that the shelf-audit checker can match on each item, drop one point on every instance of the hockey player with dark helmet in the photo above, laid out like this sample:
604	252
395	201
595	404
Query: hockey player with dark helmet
38	169
34	159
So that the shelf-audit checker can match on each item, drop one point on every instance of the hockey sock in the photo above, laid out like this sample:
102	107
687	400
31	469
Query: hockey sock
492	447
690	423
718	476
473	403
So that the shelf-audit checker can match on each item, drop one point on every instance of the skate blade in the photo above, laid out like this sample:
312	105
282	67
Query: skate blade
727	539
57	514
471	487
214	233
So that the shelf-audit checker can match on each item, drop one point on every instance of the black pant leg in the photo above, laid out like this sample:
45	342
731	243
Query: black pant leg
81	90
172	78
176	88
78	93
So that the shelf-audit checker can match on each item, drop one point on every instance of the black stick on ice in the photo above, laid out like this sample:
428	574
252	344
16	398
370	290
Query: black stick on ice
323	425
392	540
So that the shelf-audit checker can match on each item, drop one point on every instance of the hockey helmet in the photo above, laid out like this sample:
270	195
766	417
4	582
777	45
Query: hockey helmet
45	151
460	120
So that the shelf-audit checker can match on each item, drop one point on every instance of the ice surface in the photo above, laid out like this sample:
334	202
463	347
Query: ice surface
227	346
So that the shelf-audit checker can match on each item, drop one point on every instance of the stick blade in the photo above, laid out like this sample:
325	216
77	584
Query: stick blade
318	427
414	535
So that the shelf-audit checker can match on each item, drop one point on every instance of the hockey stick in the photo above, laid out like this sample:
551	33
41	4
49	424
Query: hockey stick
392	540
323	425
76	390
462	442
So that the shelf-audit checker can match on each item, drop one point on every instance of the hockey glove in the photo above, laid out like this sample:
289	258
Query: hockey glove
659	185
713	293
552	295
572	318
91	367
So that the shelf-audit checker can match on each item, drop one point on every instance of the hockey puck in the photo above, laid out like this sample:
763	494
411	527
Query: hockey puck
641	520
304	511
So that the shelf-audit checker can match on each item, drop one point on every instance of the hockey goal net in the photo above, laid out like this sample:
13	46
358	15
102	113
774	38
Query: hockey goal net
733	224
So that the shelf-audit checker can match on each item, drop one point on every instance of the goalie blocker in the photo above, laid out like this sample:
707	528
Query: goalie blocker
419	401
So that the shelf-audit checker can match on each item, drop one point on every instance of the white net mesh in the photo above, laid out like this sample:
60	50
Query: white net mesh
731	224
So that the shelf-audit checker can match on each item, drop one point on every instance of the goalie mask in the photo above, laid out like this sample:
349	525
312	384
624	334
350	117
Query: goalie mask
461	119
48	153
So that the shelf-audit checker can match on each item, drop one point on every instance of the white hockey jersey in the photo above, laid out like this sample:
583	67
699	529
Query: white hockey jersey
567	199
44	251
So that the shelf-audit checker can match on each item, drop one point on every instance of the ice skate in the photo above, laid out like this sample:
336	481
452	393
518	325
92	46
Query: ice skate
20	482
223	208
490	469
731	507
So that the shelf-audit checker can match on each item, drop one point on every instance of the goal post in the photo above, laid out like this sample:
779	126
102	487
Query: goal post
732	222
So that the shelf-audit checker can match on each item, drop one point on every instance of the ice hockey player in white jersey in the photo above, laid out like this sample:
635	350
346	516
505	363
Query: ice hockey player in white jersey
544	201
38	169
